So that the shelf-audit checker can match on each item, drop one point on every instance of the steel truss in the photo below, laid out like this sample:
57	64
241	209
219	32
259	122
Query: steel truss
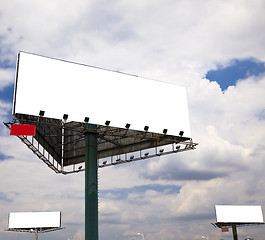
61	145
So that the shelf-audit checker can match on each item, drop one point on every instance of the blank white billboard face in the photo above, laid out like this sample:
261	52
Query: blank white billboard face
238	214
60	87
27	220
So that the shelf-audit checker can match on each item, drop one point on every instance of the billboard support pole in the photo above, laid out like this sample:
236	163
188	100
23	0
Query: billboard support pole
36	234
91	182
234	231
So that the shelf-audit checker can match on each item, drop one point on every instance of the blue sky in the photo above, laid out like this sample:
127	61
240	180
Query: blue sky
3	157
236	70
7	93
205	46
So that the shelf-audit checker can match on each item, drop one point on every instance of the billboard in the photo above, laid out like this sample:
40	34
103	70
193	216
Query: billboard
32	220
132	114
60	87
238	214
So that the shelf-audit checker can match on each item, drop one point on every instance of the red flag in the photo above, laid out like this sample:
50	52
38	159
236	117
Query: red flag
23	129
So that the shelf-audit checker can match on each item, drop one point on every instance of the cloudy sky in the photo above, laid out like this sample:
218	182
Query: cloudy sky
213	47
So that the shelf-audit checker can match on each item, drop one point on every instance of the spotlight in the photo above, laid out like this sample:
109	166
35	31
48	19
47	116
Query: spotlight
65	117
181	133
86	119
160	152
145	155
80	167
104	162
132	157
146	128
107	123
41	114
165	131
127	125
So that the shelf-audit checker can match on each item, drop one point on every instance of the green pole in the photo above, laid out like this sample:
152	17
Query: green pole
91	183
234	231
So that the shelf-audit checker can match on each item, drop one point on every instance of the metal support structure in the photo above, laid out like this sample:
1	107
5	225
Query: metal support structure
234	232
36	234
63	150
91	183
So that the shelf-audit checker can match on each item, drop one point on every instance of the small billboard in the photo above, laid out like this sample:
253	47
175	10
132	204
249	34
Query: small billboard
238	214
33	220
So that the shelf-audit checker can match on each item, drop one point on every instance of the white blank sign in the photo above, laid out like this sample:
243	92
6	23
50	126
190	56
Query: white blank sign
238	214
60	87
27	220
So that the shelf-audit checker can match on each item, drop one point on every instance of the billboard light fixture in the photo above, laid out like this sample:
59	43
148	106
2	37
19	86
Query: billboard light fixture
165	131
132	157
146	128
107	123
145	155
104	162
65	117
41	113
177	147
181	133
86	119
80	167
160	152
127	125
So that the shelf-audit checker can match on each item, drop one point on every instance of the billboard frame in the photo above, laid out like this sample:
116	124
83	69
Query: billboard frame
228	216
41	225
231	214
